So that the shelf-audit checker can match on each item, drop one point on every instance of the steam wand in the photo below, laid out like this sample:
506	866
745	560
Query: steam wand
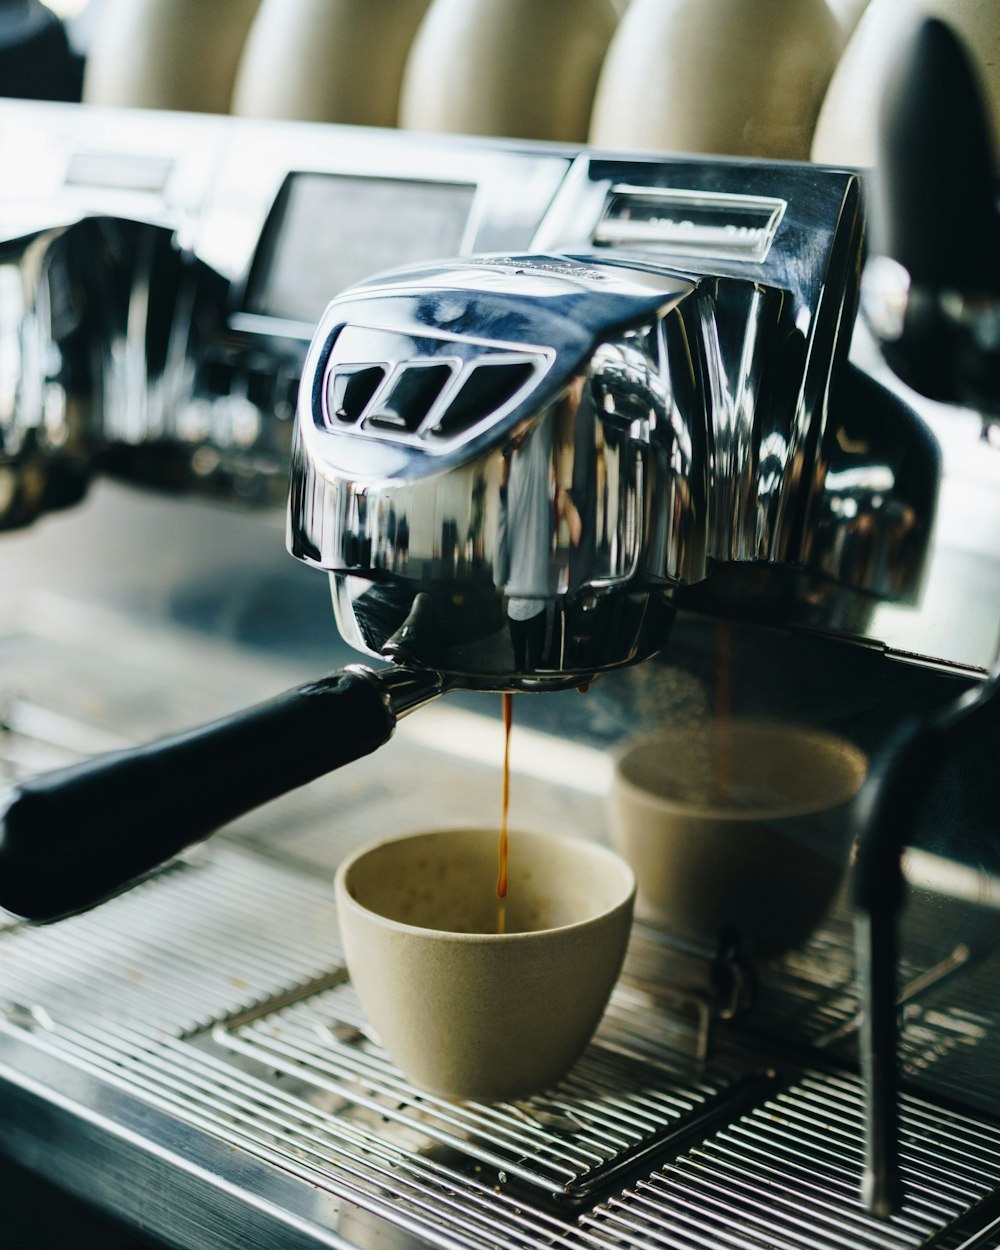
883	812
931	293
886	813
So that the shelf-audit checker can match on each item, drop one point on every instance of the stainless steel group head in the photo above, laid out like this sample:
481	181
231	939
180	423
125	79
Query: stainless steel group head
478	451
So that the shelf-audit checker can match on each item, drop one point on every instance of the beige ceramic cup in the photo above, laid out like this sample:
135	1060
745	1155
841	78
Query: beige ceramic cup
467	1012
745	832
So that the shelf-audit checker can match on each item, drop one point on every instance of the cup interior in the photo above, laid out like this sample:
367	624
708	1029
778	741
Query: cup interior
744	771
446	881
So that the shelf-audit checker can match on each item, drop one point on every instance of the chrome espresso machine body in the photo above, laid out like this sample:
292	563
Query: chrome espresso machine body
637	401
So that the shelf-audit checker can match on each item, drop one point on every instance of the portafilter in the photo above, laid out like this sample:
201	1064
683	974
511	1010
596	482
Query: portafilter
503	464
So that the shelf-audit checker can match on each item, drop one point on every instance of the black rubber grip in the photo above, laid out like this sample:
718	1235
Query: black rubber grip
71	838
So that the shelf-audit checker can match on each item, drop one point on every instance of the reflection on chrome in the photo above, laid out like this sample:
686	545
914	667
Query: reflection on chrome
46	385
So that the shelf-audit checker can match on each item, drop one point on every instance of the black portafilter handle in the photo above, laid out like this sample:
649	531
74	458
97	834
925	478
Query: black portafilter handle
71	838
935	233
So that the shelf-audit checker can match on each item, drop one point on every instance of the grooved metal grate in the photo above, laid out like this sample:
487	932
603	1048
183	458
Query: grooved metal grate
949	1040
426	1195
785	1176
215	994
203	940
283	1067
946	989
616	1105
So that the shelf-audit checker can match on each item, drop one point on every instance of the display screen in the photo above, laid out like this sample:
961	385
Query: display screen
328	231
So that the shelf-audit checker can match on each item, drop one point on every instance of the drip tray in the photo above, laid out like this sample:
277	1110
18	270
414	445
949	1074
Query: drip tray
191	1056
615	1109
214	999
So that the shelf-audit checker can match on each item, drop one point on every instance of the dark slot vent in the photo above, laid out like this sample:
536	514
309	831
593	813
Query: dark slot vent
217	376
410	398
350	391
487	388
260	387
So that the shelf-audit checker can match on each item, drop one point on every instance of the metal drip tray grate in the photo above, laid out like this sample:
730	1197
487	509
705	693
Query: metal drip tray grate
210	1006
949	1041
786	1175
206	938
282	1068
616	1107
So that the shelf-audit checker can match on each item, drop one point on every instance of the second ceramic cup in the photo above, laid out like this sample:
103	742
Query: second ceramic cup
465	1011
741	830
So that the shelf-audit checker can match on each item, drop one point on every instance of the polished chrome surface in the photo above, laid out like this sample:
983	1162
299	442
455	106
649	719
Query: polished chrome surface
49	402
403	690
194	375
701	224
509	548
902	519
640	430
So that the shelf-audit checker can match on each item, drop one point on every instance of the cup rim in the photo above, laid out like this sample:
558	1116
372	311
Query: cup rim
598	849
745	814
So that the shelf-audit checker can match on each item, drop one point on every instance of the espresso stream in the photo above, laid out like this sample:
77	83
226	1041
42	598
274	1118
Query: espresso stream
723	767
508	718
723	711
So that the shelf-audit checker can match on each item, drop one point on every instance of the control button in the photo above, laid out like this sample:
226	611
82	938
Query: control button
260	388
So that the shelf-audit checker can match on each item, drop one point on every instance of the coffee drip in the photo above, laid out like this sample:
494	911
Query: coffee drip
508	718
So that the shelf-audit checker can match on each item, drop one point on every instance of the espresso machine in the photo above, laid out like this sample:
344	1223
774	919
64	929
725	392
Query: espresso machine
633	417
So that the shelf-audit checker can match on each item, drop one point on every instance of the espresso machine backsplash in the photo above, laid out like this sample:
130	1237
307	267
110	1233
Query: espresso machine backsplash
676	343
